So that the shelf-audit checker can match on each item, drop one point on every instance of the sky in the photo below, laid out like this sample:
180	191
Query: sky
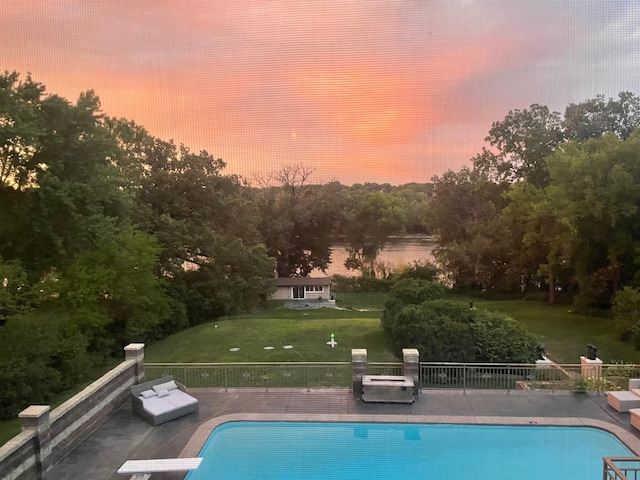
360	91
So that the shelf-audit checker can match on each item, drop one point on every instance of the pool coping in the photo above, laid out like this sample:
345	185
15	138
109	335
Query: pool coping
200	436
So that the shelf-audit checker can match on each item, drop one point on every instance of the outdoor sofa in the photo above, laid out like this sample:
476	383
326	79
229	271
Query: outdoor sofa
161	400
625	400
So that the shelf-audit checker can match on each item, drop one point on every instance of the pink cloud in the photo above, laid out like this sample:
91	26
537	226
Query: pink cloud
345	85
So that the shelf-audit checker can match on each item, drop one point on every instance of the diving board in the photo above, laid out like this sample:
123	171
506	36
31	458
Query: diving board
142	469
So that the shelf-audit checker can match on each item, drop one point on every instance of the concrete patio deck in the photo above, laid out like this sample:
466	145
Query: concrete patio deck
126	436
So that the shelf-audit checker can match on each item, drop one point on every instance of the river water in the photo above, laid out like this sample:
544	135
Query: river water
399	251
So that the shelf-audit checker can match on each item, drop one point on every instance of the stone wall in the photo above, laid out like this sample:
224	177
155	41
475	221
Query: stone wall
47	436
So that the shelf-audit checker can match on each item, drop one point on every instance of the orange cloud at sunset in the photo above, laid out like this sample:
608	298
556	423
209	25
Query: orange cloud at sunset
388	91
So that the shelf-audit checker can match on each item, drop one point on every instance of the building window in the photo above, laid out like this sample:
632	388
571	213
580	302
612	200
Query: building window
314	288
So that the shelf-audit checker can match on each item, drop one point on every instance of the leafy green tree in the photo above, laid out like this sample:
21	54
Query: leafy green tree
595	117
206	223
112	292
21	127
370	219
16	295
61	190
41	355
297	219
463	213
539	240
595	191
520	143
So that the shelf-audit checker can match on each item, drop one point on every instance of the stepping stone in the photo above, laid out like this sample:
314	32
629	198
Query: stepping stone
288	347
234	349
268	348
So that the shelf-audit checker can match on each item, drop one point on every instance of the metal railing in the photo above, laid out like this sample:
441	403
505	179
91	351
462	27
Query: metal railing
621	468
267	375
387	368
433	375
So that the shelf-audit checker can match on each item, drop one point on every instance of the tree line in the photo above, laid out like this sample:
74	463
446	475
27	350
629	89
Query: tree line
551	205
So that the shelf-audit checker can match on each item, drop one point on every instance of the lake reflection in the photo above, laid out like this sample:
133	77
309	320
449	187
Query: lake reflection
398	251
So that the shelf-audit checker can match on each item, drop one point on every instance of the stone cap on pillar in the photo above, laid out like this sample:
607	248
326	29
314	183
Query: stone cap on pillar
34	417
34	411
584	360
133	350
410	355
358	354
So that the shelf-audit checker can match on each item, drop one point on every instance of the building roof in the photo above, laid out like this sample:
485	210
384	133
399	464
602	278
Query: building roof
301	281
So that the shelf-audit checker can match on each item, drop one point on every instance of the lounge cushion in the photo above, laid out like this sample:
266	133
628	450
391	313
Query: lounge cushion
163	393
157	406
174	400
179	399
148	393
171	385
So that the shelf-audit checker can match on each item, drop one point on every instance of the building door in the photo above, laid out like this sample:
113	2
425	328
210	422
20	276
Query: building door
298	292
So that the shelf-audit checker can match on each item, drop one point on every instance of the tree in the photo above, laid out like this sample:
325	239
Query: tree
15	290
370	219
595	193
21	127
61	190
595	117
112	292
463	213
521	142
297	219
540	241
206	223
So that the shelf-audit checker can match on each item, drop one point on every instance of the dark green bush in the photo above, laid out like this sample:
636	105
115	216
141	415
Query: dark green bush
446	331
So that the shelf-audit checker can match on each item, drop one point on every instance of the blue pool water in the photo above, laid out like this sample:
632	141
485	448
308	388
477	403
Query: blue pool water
353	451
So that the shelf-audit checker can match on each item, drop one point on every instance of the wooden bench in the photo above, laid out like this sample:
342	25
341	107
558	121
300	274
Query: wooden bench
142	469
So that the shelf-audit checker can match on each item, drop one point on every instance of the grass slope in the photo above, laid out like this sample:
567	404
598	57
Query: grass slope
307	330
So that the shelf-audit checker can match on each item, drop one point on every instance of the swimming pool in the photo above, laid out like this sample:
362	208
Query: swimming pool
341	451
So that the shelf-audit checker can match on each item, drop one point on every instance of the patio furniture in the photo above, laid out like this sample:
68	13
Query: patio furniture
142	469
162	400
635	417
623	401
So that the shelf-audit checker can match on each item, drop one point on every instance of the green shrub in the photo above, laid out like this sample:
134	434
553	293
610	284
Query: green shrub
415	316
626	314
413	291
344	284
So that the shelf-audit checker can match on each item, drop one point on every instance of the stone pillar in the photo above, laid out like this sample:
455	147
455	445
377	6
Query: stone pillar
135	351
36	419
358	370
411	366
590	368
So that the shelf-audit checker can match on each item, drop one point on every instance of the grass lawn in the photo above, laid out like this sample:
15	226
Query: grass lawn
306	330
356	324
564	333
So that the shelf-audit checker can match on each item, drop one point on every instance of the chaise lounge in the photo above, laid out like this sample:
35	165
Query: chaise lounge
161	400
